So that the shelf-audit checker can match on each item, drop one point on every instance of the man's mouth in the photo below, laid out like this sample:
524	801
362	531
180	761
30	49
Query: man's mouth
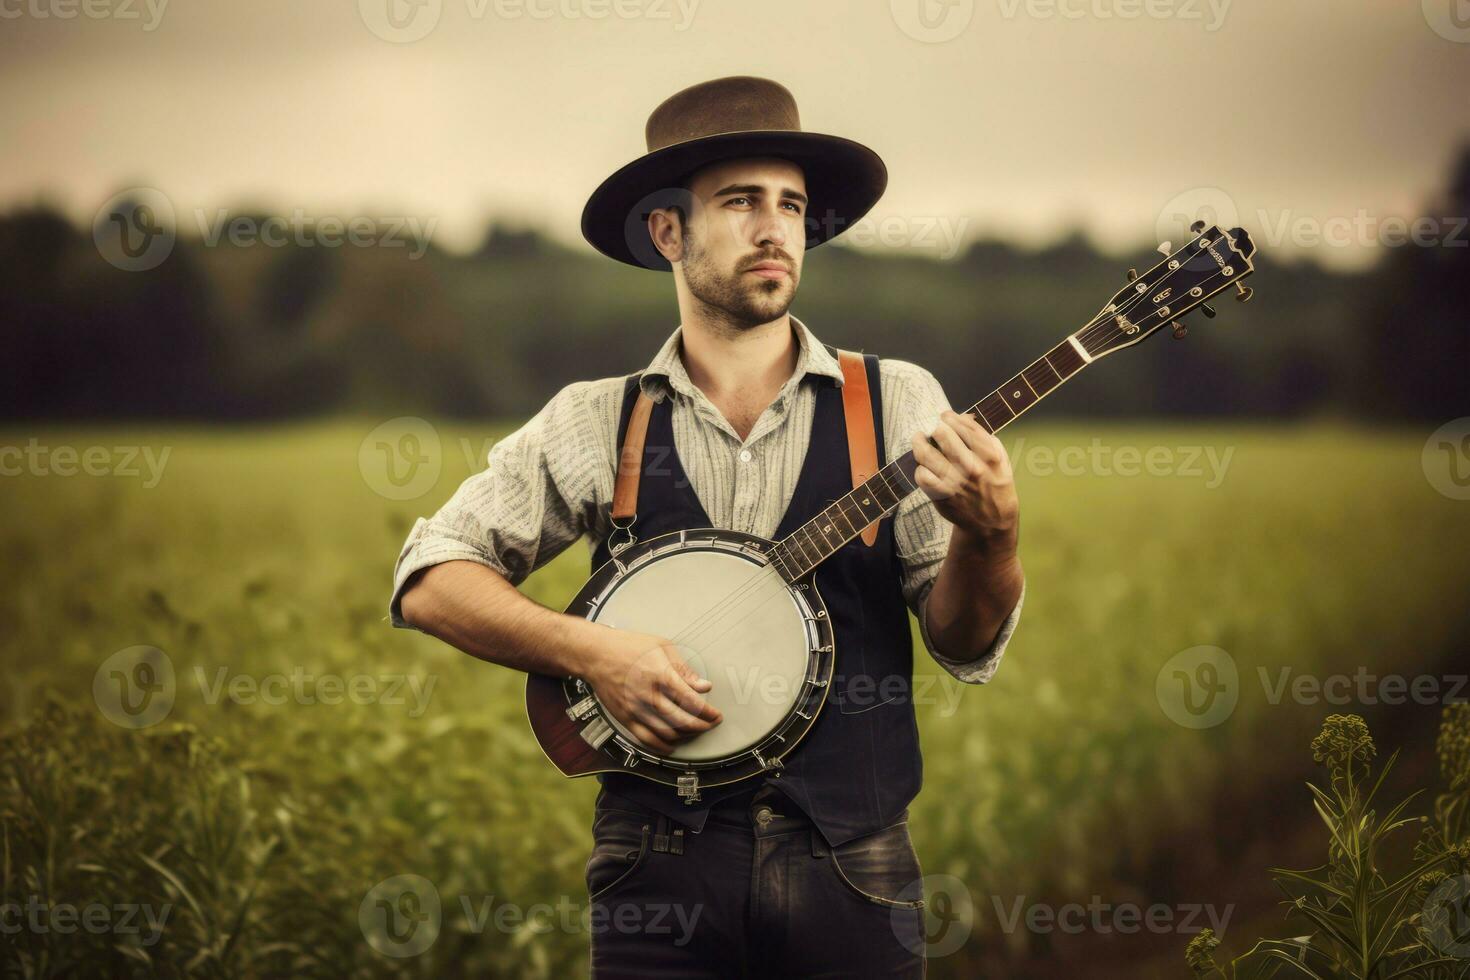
769	270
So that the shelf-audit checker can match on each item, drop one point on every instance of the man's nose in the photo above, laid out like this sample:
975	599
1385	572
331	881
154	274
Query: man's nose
772	230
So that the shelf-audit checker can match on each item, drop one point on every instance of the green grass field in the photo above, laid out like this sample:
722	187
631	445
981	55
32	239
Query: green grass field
263	827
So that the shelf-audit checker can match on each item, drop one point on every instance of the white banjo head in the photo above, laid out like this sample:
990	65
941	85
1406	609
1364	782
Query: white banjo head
737	623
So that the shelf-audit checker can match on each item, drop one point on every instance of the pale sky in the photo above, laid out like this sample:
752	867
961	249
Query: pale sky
1034	116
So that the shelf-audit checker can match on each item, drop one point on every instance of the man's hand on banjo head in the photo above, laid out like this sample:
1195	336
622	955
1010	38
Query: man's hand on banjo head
969	479
646	685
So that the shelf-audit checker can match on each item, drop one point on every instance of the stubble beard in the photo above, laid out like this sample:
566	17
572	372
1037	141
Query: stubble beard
733	298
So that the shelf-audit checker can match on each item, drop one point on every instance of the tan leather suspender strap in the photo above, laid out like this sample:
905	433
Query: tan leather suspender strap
630	459
862	444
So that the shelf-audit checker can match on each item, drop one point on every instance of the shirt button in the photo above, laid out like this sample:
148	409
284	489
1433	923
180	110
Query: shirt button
745	455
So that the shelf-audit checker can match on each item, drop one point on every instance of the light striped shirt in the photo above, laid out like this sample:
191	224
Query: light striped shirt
550	482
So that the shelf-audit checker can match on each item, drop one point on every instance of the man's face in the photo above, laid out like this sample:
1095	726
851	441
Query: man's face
745	237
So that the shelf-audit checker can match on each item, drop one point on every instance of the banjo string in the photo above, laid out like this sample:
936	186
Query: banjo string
711	616
707	620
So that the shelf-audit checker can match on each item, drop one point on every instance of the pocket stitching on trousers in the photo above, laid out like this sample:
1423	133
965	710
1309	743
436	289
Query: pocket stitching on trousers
637	863
875	899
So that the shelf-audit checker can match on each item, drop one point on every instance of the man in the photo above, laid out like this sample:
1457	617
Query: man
810	873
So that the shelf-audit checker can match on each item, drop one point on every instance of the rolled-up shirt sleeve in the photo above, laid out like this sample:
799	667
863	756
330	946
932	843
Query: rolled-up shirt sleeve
912	401
535	497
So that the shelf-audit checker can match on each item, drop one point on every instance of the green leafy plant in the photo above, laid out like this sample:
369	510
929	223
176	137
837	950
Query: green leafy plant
1370	923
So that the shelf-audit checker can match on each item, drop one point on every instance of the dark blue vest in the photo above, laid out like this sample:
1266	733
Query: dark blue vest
859	766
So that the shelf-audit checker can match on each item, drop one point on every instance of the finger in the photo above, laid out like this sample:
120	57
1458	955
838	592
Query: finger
652	721
679	688
960	459
975	436
649	740
928	454
680	720
933	486
688	673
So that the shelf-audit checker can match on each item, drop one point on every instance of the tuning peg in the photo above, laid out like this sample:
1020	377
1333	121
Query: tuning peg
1208	310
1197	227
1243	293
1132	274
1179	330
1166	248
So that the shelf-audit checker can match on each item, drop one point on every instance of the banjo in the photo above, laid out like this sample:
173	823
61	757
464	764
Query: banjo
744	611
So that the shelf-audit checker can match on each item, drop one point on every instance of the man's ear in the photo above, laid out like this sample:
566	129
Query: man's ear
666	233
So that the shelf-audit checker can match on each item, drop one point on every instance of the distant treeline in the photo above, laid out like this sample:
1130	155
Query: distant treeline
256	331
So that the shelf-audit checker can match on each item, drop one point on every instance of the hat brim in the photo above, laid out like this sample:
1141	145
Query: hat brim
844	179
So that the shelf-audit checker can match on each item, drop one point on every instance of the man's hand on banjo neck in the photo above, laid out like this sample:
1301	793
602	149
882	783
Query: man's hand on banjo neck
640	678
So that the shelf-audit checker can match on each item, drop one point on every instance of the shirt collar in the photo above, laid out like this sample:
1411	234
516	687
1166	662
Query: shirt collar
666	370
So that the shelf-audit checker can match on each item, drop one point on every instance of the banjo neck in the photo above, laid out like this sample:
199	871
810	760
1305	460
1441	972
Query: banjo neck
1211	262
844	519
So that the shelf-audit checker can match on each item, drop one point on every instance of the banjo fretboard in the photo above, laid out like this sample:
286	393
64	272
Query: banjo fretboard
1210	263
844	519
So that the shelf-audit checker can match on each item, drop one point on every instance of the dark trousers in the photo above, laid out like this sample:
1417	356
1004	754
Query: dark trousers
756	893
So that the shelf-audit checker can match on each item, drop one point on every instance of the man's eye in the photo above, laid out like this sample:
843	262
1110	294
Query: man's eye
733	200
794	206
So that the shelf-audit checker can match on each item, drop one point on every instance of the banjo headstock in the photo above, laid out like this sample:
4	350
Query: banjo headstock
1210	263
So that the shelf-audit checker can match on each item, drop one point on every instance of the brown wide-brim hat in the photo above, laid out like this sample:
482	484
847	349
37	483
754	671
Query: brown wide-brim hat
740	116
